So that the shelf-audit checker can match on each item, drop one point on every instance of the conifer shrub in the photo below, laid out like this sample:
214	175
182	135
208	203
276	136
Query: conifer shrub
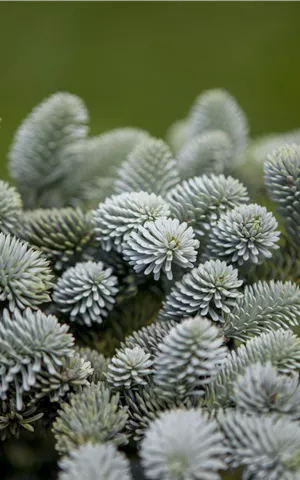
150	298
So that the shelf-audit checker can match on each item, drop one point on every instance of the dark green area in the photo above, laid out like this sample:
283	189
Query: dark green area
142	64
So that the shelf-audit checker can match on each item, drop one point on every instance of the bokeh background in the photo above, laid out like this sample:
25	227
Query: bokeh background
142	64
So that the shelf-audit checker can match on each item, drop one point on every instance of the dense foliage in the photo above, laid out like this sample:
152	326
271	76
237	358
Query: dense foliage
149	296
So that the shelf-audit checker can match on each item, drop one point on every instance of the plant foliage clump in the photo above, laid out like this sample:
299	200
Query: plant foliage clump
150	297
25	276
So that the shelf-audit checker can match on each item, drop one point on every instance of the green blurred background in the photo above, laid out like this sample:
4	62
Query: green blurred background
142	64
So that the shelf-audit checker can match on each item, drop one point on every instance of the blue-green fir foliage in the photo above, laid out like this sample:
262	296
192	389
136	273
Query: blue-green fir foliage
149	296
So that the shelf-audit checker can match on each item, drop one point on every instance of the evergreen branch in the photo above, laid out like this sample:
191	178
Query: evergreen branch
92	415
95	462
10	208
119	215
211	289
218	110
282	178
92	164
145	403
148	338
244	235
98	363
189	357
183	445
201	200
208	152
266	448
159	246
29	343
86	292
284	265
35	158
149	168
261	390
264	306
61	234
281	348
25	276
129	367
72	374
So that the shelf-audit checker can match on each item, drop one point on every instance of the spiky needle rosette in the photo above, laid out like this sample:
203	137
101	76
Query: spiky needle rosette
150	167
282	178
95	462
25	276
91	415
265	447
211	289
183	445
209	152
200	201
189	357
61	234
29	342
98	363
86	292
129	367
115	218
262	390
246	234
281	348
72	374
10	208
161	245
